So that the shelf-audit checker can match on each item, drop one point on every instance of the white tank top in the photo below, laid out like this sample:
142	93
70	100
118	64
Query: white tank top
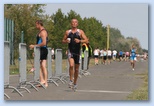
96	52
109	52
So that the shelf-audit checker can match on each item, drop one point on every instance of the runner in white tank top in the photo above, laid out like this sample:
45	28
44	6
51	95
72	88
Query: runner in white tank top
101	56
96	55
109	53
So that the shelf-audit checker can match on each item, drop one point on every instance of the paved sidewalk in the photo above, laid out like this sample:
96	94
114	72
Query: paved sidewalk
106	82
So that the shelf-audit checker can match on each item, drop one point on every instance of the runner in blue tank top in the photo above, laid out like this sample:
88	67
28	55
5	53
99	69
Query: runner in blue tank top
132	56
42	38
74	37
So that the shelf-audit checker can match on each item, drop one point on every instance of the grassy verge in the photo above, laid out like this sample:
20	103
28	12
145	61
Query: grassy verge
142	92
14	69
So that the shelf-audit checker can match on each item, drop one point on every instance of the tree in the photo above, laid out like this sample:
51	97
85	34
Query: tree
95	31
119	42
59	22
24	16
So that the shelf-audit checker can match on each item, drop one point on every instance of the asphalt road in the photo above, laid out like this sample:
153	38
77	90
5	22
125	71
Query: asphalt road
106	82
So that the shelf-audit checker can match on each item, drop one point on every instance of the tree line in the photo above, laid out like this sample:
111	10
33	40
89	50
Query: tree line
25	15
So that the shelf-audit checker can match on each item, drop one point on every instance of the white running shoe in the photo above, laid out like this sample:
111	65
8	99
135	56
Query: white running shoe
74	87
133	69
70	85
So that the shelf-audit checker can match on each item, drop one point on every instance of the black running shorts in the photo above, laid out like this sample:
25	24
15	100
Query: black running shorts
76	58
43	53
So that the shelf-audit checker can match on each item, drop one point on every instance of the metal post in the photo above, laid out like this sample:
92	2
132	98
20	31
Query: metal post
13	42
58	61
6	62
11	36
85	60
6	68
23	67
58	66
85	65
5	29
22	36
108	36
22	62
49	61
36	63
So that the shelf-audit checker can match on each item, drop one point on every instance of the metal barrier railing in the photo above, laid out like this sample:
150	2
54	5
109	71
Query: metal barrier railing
23	68
84	65
49	63
58	75
6	69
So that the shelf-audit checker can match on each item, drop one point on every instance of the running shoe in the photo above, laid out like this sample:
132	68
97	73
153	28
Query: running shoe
74	87
70	84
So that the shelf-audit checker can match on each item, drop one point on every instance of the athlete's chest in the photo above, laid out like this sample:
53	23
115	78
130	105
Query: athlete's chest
74	35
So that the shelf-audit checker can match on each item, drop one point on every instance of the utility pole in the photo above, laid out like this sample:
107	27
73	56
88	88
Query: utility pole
108	36
22	36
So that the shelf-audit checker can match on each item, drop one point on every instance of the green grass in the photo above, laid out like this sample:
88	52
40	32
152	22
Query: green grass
142	92
14	69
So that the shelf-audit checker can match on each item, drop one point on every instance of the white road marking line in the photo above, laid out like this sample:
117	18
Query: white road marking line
101	91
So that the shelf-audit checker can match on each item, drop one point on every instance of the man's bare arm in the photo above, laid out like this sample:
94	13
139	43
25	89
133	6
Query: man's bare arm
43	35
84	37
65	38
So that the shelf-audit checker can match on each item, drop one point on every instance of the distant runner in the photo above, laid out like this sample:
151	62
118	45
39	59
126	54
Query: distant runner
132	56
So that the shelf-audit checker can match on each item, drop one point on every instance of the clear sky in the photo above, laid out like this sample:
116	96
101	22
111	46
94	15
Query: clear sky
130	19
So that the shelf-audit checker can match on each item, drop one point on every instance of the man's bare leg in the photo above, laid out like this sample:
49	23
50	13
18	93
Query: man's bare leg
43	73
76	73
133	64
71	68
42	81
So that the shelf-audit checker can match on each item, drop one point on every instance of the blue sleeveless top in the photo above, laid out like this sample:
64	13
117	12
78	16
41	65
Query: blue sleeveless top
120	53
39	39
133	52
